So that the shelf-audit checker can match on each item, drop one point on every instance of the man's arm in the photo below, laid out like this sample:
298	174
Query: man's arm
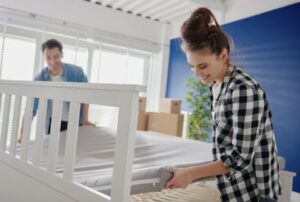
85	115
21	131
85	107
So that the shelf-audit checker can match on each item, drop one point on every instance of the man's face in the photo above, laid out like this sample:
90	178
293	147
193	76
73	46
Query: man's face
53	59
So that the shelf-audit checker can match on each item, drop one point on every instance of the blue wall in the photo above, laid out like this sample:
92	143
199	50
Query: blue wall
267	46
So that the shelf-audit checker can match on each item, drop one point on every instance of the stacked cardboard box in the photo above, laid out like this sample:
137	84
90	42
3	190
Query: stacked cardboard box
166	123
168	120
142	104
169	106
142	114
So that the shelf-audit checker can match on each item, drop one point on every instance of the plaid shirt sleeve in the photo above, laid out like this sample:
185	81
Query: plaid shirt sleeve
247	111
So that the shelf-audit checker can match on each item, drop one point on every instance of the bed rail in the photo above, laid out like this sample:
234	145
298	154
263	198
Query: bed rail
37	180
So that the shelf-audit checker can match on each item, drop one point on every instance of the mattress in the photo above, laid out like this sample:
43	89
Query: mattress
153	154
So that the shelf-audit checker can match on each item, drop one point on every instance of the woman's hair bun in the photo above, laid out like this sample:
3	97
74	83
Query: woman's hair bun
202	16
201	30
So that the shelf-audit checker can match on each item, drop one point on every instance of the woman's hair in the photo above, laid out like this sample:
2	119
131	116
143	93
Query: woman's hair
201	30
52	43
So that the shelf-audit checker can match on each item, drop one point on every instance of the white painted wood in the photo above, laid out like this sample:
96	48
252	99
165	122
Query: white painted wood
40	132
106	2
148	30
107	93
15	126
121	3
7	86
38	184
124	147
145	6
208	3
71	141
54	135
177	12
165	5
171	10
286	183
4	129
133	4
22	182
26	128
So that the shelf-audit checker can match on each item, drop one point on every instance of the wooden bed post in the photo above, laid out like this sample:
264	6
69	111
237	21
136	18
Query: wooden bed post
4	129
15	128
124	149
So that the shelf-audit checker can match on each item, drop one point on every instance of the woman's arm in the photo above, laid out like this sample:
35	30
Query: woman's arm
184	176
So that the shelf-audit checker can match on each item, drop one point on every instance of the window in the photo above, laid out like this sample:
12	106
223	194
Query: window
135	70
18	58
118	67
112	67
77	56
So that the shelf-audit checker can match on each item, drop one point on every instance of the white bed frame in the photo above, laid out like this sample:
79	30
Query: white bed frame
24	180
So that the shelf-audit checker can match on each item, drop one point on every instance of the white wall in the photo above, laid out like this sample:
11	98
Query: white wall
88	14
159	73
234	10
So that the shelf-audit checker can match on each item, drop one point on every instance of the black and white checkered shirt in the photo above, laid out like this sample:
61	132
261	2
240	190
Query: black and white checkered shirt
243	139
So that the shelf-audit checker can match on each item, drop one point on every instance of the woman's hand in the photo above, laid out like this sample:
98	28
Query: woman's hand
181	179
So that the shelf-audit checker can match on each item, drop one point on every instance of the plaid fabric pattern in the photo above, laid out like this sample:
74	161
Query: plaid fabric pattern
243	139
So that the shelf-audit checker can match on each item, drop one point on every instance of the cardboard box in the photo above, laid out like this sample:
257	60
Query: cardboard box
169	105
142	120
168	123
142	103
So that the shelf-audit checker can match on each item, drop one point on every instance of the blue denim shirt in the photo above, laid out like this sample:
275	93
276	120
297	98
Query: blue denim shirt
71	73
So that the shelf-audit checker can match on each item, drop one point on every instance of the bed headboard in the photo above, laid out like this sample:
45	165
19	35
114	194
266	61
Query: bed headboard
125	97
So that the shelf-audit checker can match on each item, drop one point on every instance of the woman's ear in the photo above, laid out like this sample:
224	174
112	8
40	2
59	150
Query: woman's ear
224	55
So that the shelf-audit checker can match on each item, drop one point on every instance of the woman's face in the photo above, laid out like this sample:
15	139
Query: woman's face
208	67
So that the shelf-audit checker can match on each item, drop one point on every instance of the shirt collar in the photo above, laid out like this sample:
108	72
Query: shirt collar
47	72
228	75
227	78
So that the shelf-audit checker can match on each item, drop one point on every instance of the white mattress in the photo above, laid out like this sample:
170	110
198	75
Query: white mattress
153	153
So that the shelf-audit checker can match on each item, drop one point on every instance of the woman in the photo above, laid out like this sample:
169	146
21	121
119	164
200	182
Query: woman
245	155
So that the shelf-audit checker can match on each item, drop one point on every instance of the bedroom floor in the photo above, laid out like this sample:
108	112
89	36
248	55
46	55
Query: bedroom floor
194	193
191	194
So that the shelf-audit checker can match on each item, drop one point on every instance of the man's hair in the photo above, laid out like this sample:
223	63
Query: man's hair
52	43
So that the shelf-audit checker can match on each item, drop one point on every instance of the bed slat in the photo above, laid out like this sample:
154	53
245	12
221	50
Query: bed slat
16	123
40	132
54	135
71	142
27	128
4	130
124	149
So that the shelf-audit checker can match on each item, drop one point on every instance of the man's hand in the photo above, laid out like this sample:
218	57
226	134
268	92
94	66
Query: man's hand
87	123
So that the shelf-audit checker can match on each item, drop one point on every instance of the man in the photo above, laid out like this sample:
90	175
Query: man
59	71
